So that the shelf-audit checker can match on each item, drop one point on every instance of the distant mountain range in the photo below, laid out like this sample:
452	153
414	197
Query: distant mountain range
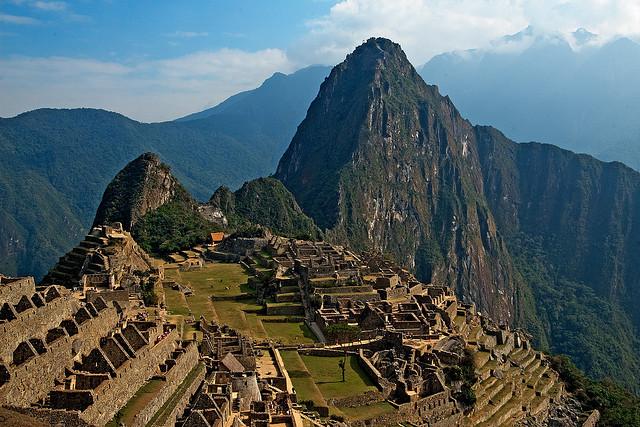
54	164
536	87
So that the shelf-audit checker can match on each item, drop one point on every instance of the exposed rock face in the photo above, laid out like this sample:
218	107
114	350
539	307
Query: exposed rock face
383	161
142	186
533	234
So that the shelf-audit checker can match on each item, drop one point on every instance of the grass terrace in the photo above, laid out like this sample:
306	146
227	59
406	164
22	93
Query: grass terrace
319	378
138	402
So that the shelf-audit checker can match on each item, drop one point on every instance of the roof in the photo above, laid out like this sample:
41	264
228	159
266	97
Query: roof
217	237
232	364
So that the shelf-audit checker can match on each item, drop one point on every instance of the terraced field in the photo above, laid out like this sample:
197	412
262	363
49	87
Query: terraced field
319	378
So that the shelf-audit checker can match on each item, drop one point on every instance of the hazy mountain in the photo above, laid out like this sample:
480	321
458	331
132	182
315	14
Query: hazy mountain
535	235
55	164
536	87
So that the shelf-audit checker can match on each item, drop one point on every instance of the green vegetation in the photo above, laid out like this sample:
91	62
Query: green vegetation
365	412
617	406
317	379
170	228
303	383
55	164
328	376
138	402
574	320
221	279
212	279
266	202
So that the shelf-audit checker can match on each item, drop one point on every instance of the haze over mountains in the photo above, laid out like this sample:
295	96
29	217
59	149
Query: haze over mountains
536	87
55	164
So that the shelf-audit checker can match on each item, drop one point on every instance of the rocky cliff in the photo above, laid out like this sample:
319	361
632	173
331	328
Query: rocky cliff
150	203
534	235
142	186
572	224
383	161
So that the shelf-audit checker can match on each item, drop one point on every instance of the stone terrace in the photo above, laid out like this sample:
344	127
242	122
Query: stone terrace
39	337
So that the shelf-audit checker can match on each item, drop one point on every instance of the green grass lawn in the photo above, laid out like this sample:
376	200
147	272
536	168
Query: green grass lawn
319	378
328	376
175	301
289	332
368	411
224	279
301	378
214	278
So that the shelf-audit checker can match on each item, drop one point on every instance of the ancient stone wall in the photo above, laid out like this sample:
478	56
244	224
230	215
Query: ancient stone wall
181	405
32	380
112	395
173	378
36	319
13	288
53	417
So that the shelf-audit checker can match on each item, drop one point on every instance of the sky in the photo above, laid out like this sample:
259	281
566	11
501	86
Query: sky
156	60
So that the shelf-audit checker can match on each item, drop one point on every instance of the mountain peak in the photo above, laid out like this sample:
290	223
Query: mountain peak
143	185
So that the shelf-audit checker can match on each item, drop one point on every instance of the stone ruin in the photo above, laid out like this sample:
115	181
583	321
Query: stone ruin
107	259
244	386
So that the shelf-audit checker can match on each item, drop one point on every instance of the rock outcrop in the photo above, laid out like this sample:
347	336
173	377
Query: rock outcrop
383	161
536	236
142	186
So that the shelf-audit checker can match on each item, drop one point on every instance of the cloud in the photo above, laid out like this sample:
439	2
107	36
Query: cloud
427	27
148	90
188	34
17	20
54	6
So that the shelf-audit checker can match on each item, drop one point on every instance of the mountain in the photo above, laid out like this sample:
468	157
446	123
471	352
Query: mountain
55	164
265	201
572	224
536	236
383	161
152	204
539	88
144	185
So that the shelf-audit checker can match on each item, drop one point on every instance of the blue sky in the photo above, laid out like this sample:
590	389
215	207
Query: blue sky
127	30
158	60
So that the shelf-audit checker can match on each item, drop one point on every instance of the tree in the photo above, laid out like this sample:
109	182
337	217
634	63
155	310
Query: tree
342	365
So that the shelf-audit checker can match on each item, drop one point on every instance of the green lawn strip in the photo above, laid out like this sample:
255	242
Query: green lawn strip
240	315
301	378
138	402
366	412
328	377
288	332
175	302
161	415
224	279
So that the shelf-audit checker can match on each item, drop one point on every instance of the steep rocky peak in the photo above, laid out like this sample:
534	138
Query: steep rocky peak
143	185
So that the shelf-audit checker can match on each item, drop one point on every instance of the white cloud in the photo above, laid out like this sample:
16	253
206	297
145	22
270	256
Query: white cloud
147	90
188	34
428	27
54	6
17	19
164	89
